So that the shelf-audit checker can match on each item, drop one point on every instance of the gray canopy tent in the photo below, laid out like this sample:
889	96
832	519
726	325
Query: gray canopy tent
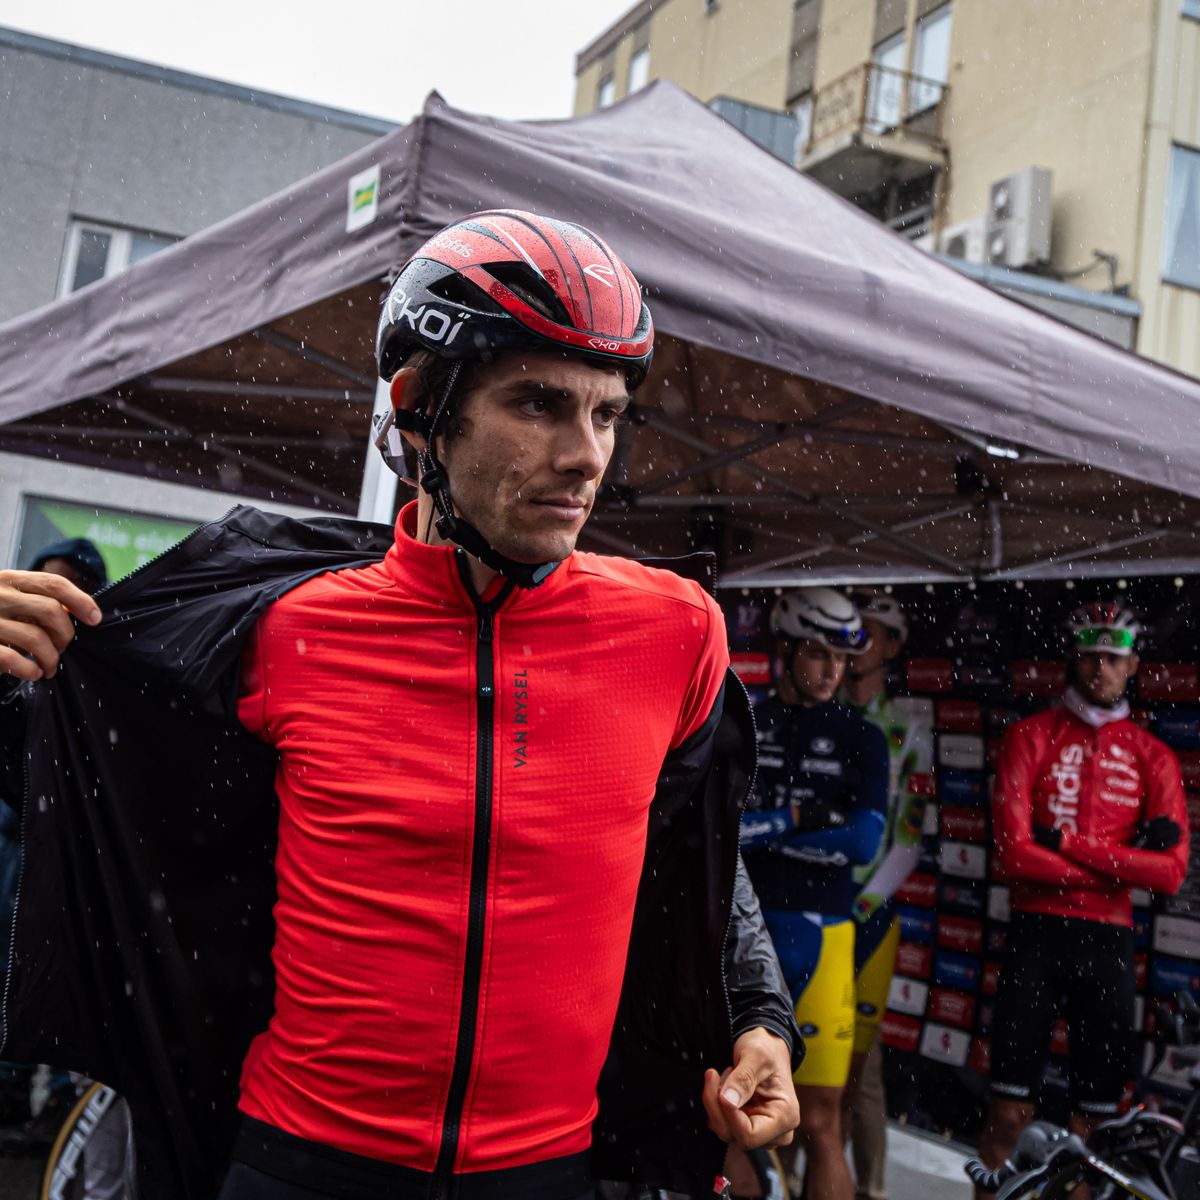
828	402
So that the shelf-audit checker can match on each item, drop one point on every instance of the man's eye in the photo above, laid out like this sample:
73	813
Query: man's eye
606	418
536	405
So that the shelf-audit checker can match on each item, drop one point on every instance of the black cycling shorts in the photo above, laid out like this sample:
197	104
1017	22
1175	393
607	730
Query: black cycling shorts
1083	970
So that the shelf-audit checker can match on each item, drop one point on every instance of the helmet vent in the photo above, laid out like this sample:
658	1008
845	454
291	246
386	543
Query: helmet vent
535	291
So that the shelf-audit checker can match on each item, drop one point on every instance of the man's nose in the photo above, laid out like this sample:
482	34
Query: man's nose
580	449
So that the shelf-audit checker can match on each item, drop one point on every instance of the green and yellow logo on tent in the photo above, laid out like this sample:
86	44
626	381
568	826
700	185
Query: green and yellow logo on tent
363	197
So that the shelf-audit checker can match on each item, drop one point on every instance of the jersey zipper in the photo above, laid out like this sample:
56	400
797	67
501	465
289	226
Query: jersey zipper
464	1048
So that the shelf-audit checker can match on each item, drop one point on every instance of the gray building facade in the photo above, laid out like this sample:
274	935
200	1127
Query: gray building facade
104	160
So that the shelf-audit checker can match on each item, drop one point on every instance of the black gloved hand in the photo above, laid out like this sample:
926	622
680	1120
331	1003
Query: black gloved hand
812	816
1045	836
1159	833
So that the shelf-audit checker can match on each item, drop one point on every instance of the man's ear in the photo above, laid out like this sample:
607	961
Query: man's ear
1134	663
404	395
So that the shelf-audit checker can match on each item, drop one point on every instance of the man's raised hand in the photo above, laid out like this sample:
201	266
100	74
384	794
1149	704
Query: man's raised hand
35	621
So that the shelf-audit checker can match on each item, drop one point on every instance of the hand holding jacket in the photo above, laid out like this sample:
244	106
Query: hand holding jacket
36	608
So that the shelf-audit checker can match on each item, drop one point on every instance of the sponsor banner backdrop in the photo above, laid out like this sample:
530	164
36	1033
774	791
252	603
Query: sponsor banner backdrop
943	1044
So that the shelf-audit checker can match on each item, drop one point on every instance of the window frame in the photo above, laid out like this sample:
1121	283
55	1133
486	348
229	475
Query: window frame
1190	9
1192	285
944	12
640	55
120	246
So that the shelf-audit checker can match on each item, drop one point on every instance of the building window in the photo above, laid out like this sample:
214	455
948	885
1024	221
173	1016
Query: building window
639	69
885	96
606	93
802	110
1181	261
930	61
1191	8
710	6
96	251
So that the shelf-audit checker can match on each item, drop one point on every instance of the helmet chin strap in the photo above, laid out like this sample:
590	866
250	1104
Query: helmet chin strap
450	525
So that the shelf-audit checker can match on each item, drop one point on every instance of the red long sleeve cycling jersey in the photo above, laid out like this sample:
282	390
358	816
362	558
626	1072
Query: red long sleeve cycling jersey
1097	786
464	790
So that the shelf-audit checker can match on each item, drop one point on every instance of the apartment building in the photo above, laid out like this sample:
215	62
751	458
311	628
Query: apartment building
1050	147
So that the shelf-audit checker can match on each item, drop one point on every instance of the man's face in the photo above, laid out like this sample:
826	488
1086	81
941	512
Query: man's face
534	436
817	671
1103	677
882	648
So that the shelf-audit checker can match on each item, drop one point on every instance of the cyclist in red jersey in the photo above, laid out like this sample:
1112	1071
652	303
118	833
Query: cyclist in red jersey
1086	805
493	756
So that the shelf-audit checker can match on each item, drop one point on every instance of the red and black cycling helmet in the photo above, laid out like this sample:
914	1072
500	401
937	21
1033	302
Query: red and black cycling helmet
496	282
507	280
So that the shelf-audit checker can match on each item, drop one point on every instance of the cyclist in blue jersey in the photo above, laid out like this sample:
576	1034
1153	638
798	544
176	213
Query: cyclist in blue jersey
816	812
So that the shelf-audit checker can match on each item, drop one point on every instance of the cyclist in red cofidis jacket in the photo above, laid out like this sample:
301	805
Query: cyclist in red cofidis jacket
1086	805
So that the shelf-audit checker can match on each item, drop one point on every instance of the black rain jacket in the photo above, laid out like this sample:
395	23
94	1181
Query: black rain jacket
143	928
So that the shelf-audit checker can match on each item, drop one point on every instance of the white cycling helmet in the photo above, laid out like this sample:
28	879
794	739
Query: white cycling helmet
820	614
879	606
1104	627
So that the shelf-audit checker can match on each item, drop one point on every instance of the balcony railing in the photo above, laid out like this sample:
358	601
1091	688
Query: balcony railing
877	100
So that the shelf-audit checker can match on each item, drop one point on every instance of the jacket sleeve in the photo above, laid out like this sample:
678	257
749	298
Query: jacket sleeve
758	995
1156	870
1019	856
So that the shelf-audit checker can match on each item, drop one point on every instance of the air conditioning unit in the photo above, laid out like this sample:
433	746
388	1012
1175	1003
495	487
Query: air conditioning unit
1018	219
965	240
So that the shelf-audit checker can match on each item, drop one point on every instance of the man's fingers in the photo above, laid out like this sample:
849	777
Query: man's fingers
15	584
35	620
716	1112
25	639
18	666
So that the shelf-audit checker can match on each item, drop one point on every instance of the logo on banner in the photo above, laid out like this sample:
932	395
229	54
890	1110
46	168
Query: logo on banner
964	824
1168	681
960	933
929	675
946	1045
968	896
952	1008
916	925
991	977
959	716
962	750
362	198
914	961
907	996
1171	975
1177	936
963	859
1037	678
900	1032
920	889
956	971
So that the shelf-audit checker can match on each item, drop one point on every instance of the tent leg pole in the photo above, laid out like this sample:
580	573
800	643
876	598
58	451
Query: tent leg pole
377	500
